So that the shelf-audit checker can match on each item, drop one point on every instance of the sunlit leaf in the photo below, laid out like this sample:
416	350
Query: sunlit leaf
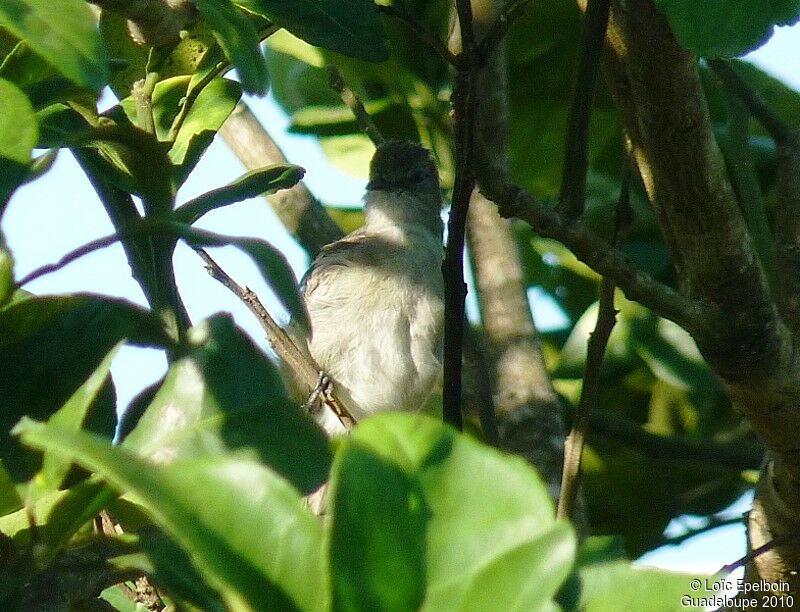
239	40
215	507
18	136
491	539
225	395
265	181
9	499
727	27
70	42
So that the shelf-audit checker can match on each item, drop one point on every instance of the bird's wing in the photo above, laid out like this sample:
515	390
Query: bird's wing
357	249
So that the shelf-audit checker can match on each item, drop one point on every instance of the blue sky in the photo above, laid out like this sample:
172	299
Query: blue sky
60	212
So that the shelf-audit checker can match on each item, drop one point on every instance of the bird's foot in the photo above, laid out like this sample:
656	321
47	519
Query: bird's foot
323	390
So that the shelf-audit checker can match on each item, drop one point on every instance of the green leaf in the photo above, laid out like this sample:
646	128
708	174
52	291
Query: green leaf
18	136
492	542
49	346
727	28
208	112
620	356
243	526
71	416
352	28
257	182
239	40
609	587
377	536
65	36
6	272
225	395
672	355
9	498
70	512
171	569
58	125
183	58
135	161
17	525
23	66
209	109
270	262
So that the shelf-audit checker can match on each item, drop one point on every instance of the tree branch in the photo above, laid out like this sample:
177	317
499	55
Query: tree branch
299	362
299	211
738	455
596	253
495	34
780	131
658	91
465	103
573	447
354	103
149	257
576	159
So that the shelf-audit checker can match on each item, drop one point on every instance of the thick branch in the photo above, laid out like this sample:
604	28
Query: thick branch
657	88
151	22
787	230
530	419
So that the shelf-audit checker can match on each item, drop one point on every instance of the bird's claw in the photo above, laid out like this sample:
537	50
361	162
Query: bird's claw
323	389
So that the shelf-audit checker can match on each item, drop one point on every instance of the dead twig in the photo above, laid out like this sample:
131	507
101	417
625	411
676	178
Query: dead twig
301	364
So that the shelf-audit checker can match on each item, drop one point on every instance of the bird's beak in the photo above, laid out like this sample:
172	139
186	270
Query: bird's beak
376	184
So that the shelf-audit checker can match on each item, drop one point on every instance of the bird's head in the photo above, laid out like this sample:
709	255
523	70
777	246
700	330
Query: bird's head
403	166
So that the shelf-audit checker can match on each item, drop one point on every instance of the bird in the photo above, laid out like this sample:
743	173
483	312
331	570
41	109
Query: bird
375	298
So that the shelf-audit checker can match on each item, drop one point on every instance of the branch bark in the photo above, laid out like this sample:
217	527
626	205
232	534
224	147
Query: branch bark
299	211
657	89
529	417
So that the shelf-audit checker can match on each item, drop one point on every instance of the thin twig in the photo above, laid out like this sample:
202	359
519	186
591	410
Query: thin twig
781	131
349	97
576	157
301	364
84	249
598	254
715	522
757	552
455	290
421	32
513	10
735	455
573	446
598	341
